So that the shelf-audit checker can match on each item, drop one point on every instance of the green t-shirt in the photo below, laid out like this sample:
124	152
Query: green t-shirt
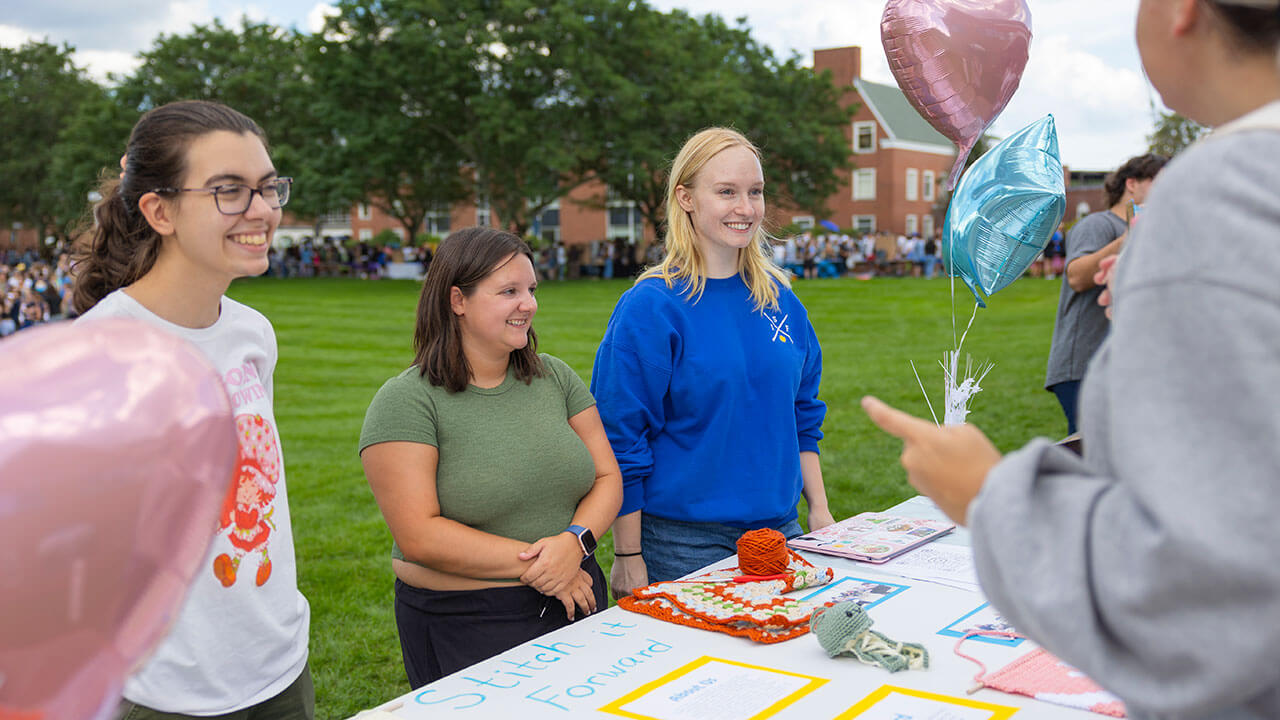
510	464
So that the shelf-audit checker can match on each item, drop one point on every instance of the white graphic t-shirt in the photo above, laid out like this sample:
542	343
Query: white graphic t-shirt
241	636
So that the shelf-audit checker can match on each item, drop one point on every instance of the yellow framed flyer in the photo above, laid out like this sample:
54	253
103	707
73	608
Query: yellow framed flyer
715	689
899	703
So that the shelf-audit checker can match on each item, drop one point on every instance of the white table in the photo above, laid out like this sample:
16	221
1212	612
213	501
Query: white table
579	669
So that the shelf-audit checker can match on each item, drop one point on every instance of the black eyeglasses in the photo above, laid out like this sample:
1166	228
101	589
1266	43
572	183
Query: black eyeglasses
235	199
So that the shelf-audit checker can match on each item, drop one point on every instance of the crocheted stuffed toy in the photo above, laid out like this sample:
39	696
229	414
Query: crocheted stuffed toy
845	629
758	610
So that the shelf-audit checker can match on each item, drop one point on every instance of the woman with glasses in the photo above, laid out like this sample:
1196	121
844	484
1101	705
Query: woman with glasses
1150	562
194	209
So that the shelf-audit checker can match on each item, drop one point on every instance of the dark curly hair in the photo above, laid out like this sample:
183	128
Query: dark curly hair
1143	167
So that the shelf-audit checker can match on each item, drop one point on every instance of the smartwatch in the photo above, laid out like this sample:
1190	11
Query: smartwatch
586	540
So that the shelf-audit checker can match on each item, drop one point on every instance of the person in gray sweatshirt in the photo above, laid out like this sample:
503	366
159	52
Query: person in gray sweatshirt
1150	563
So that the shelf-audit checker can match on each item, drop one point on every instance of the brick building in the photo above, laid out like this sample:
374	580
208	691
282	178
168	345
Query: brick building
1085	193
900	161
589	214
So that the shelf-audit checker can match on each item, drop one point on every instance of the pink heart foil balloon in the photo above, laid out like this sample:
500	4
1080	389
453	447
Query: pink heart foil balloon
117	445
957	61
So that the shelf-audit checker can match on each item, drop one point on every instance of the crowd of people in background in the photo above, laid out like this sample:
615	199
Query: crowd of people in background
605	259
838	254
333	258
35	291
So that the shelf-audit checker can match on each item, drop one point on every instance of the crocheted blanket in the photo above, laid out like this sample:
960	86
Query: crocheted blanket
759	610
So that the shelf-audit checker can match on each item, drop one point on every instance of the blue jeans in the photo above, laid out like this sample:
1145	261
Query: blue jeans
1068	393
673	548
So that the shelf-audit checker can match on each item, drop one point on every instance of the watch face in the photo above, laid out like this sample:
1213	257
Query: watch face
588	541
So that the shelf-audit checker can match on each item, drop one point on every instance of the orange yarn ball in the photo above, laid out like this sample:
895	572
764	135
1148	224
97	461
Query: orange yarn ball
763	552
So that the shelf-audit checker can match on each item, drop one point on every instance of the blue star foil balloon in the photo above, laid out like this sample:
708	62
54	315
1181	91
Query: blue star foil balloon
1005	209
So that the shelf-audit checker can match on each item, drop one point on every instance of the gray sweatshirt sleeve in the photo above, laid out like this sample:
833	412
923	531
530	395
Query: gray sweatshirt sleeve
1153	564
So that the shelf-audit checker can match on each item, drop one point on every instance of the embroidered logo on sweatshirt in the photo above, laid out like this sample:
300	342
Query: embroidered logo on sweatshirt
780	327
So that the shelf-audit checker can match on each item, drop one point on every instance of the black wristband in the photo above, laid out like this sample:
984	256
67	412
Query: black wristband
618	554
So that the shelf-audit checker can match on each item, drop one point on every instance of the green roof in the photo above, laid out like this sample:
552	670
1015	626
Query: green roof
903	122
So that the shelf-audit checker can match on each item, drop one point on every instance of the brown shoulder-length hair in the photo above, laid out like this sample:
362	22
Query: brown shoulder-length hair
463	260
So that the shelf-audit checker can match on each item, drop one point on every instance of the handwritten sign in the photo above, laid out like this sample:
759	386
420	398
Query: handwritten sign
536	673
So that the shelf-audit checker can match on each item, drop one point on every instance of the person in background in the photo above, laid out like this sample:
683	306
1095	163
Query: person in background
195	208
1080	324
1148	563
1055	254
490	466
33	310
932	248
707	379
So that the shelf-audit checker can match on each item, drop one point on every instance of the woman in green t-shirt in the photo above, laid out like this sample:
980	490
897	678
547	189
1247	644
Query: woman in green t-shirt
490	465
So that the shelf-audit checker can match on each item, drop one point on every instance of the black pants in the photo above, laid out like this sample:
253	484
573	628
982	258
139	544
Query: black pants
442	632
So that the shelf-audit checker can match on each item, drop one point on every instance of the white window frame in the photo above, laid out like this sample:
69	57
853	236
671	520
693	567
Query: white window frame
366	234
861	177
804	221
871	224
483	214
913	224
431	222
859	126
633	231
930	181
364	211
926	226
913	185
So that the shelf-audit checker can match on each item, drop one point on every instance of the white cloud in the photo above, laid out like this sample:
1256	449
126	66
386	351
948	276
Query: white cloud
1103	112
180	15
100	62
12	37
317	15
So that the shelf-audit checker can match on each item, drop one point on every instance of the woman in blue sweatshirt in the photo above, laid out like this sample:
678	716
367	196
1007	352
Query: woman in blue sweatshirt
707	379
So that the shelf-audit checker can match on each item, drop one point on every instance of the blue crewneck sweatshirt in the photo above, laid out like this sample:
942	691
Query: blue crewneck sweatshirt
708	403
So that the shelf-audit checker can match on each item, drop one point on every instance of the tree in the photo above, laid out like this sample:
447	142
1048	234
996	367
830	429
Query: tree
40	90
1172	133
388	74
656	78
88	149
482	91
525	132
264	72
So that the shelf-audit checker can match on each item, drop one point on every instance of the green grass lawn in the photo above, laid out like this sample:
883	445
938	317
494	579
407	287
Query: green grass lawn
340	339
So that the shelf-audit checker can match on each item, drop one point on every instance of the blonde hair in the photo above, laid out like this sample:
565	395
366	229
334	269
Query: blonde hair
684	262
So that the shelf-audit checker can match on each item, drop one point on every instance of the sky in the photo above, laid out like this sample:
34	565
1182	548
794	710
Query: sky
1083	65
